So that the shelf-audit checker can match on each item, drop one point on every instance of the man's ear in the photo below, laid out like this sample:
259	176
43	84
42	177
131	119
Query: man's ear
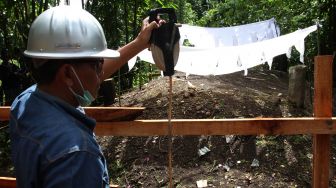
65	75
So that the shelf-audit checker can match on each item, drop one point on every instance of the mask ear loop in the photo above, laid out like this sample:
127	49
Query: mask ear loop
80	83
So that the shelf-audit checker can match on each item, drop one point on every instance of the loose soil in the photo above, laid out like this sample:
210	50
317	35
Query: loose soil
226	161
282	161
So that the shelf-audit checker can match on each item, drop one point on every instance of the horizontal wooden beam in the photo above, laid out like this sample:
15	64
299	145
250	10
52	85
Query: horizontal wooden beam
110	122
99	113
10	182
7	182
253	126
4	113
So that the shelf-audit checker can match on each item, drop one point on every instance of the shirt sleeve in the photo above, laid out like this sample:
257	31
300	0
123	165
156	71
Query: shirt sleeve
77	169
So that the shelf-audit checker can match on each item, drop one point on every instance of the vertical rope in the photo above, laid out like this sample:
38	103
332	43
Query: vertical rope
170	135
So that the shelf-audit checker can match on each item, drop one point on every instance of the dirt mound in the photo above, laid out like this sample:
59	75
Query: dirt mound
224	161
259	94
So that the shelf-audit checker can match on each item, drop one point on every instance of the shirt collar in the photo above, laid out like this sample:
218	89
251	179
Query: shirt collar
78	113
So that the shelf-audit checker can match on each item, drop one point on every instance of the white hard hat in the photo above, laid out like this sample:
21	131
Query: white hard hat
66	32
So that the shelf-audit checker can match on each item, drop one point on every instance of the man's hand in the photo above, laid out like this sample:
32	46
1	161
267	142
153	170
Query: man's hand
131	49
146	31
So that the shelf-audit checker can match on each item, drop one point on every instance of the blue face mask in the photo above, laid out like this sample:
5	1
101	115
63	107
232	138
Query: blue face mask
87	98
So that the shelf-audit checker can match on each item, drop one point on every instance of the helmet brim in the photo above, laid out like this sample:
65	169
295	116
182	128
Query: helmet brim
107	53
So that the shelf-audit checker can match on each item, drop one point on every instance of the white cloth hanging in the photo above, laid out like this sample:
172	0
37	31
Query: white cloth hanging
209	37
215	58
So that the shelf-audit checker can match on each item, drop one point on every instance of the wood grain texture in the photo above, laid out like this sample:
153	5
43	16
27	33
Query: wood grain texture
253	126
9	182
98	113
322	108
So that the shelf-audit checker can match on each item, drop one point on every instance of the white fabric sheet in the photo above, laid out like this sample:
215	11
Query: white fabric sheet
209	37
217	59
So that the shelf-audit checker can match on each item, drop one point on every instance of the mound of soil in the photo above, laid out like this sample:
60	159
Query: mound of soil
224	161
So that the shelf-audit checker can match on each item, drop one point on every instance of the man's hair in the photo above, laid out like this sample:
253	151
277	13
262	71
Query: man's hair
44	70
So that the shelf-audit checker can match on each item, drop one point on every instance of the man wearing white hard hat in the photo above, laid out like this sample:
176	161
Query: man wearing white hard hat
52	140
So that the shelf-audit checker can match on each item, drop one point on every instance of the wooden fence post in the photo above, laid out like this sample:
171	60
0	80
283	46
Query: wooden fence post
322	108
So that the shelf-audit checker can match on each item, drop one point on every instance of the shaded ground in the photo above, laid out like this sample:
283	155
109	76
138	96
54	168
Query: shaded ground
284	161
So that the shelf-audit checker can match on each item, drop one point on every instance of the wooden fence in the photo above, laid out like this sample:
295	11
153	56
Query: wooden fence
321	126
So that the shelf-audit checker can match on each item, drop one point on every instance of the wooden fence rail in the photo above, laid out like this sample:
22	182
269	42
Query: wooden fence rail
321	126
250	126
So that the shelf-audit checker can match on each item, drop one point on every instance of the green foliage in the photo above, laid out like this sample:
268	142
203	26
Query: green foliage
144	72
122	19
116	167
15	19
5	158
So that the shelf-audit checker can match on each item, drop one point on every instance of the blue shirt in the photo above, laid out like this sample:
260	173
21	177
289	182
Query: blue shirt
53	144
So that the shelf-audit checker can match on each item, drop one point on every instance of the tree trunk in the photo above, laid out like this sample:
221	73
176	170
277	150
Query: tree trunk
46	5
41	5
135	14
26	8
33	10
5	31
124	69
181	7
126	21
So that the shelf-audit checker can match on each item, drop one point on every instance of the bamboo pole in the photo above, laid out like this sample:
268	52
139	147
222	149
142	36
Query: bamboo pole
322	108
